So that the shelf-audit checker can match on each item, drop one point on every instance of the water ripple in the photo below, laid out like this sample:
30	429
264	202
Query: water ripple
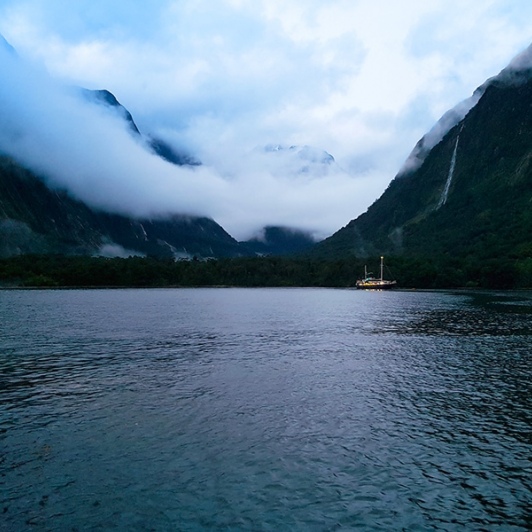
265	410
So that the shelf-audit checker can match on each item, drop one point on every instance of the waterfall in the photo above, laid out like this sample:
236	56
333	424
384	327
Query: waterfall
445	192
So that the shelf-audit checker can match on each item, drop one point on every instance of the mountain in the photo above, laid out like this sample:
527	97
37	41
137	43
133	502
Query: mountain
280	241
37	216
465	196
40	220
36	219
154	144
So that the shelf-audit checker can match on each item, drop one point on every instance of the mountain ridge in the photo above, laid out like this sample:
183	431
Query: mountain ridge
517	72
464	192
470	199
36	219
38	215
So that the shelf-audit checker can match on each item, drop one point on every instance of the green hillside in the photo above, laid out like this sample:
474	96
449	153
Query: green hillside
487	213
37	219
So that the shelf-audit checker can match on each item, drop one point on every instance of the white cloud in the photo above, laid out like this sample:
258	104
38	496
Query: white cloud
362	79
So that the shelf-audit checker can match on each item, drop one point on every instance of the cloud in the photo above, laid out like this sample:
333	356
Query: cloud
363	80
90	151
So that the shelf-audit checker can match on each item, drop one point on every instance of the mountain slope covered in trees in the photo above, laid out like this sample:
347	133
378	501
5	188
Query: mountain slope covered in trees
470	200
36	219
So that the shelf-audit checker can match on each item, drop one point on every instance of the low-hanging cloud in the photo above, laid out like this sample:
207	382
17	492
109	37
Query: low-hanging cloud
90	151
223	81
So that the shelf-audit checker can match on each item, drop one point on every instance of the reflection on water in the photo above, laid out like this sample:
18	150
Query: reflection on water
265	409
481	314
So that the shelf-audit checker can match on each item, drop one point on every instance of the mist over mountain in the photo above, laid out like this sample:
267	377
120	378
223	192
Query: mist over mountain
280	241
515	74
300	159
53	182
90	183
87	143
156	145
35	219
469	196
77	156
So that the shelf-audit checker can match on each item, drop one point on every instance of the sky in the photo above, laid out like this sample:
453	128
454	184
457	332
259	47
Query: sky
237	83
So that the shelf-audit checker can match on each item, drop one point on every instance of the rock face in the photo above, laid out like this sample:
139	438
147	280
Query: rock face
469	195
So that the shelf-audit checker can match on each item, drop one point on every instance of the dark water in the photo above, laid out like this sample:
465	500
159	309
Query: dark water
294	409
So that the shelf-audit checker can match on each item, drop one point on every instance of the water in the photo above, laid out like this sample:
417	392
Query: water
255	409
445	193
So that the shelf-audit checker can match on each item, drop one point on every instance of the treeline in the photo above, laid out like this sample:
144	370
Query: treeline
78	271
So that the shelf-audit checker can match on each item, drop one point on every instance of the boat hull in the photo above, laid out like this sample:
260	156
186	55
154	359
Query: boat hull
375	285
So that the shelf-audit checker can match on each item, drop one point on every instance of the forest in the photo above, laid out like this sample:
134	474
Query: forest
411	273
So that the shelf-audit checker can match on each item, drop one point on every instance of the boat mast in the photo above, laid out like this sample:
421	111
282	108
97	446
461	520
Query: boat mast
382	268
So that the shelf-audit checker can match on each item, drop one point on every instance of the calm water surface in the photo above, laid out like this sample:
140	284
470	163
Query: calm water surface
255	409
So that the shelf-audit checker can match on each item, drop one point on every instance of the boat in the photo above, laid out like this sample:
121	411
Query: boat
373	283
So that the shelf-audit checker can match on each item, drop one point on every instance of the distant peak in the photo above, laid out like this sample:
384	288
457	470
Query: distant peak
305	152
105	97
4	44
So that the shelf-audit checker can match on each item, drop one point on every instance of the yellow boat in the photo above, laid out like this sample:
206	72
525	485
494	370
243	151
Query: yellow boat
373	283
